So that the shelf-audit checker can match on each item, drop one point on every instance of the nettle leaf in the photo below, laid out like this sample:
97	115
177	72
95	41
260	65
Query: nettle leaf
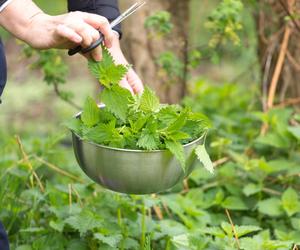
149	137
295	131
111	240
290	202
137	125
106	71
84	222
234	203
271	207
100	134
178	136
274	140
105	134
168	114
248	243
227	228
251	189
244	230
292	236
240	230
204	158
90	114
177	150
149	102
178	123
106	116
296	223
181	241
148	140
77	244
58	226
130	243
200	118
116	101
74	124
50	241
215	231
194	128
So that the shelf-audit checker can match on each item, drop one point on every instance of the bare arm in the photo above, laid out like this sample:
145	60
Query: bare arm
29	23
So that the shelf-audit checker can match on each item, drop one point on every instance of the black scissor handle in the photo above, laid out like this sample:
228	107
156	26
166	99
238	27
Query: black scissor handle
79	48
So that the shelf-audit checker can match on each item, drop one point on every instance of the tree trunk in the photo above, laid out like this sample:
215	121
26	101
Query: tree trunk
279	49
142	50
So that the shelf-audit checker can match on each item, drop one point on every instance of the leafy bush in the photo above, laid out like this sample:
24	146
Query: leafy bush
256	182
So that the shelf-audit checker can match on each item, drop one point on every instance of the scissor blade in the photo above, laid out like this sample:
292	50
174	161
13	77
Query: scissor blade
127	13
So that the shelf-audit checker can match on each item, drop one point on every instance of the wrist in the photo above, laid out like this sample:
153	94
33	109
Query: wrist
116	33
40	29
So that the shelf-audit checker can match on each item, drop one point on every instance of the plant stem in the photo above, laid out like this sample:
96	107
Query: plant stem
233	229
143	236
28	164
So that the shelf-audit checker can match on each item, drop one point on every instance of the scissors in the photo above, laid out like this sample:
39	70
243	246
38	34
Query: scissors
114	23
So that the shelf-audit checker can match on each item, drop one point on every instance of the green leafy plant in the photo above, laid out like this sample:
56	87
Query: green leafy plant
224	22
258	184
257	181
137	122
160	23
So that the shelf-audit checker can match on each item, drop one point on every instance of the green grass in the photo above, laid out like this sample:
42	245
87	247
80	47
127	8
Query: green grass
33	107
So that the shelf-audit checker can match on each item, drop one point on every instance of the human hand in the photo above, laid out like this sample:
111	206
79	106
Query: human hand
43	31
131	81
73	29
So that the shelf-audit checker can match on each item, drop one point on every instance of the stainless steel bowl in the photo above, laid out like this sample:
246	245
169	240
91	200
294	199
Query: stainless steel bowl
132	171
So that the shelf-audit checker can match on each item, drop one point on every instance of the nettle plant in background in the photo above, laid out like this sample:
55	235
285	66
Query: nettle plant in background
137	121
224	25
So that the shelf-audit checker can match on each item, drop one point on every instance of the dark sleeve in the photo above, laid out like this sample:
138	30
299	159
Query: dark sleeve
106	8
2	2
3	239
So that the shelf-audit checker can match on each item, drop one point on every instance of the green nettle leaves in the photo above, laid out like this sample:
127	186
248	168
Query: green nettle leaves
204	158
137	122
271	207
149	138
149	102
116	101
90	114
290	202
85	222
274	207
106	71
177	149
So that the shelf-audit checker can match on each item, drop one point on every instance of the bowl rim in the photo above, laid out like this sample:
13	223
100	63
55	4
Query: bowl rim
130	150
135	150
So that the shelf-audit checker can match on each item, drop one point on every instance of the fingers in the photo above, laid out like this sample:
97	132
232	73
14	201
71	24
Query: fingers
96	54
134	82
124	83
99	23
68	33
87	33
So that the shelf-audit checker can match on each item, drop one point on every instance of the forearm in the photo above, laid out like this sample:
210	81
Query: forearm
22	23
30	24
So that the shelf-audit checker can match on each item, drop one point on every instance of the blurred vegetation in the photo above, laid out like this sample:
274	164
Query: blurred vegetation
256	184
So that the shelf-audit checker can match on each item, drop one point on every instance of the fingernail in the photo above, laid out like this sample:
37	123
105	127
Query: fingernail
97	58
78	39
